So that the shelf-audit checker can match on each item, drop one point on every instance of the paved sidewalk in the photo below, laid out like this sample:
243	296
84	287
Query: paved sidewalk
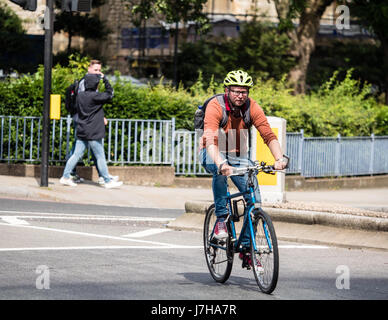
313	216
170	197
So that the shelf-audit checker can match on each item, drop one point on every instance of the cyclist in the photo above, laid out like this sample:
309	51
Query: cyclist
221	149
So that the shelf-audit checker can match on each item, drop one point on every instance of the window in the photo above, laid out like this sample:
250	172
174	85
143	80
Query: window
154	37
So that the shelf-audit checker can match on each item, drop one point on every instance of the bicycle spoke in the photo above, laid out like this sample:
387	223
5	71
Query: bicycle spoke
265	258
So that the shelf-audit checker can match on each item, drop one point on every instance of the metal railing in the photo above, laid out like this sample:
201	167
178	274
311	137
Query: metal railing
310	156
140	141
154	142
127	141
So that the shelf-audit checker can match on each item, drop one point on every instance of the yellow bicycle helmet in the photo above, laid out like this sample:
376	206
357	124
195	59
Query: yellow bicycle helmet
238	78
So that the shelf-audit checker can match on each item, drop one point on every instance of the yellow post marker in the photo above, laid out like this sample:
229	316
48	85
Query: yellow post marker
55	106
271	186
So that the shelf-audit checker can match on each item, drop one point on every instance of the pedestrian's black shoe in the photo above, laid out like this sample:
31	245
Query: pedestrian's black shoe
76	178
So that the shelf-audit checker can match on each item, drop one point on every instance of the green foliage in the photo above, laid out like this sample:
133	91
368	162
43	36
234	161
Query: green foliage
259	49
363	57
343	107
339	107
24	96
12	40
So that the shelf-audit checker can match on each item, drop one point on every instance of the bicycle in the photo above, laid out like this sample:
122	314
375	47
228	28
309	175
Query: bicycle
264	254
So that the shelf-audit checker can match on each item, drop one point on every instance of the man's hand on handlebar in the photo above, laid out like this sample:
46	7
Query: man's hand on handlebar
280	165
226	170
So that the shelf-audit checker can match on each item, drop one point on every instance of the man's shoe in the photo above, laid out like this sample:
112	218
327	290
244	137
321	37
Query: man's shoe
101	180
245	257
220	231
247	262
113	184
67	182
76	178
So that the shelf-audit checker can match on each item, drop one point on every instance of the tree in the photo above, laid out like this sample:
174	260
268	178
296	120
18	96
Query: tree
86	25
11	38
174	12
259	49
374	16
303	35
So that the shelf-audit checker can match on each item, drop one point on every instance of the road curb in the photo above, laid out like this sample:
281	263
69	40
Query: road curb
349	221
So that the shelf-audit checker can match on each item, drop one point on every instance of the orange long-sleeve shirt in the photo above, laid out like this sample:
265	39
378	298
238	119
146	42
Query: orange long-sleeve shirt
234	136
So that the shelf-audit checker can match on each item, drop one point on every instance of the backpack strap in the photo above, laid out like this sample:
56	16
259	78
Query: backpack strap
225	112
248	122
247	114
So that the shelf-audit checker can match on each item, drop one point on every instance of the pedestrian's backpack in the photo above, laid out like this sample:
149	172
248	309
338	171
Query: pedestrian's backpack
199	116
70	98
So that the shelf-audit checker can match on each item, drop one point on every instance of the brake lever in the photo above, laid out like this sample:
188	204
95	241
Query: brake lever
268	169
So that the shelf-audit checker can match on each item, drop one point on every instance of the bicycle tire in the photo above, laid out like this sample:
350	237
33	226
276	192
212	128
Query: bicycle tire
219	260
267	254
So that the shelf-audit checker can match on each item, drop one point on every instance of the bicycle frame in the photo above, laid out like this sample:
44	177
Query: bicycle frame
247	219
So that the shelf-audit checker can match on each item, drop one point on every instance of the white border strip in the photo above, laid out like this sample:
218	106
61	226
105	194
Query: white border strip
146	233
97	248
48	215
88	234
138	247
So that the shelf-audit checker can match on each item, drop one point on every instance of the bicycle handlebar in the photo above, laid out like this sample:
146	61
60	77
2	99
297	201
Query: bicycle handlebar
258	167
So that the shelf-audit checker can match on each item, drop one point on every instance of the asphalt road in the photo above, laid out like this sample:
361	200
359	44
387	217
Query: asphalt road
64	254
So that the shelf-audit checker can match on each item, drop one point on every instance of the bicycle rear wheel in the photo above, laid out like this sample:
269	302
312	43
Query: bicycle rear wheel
265	258
218	253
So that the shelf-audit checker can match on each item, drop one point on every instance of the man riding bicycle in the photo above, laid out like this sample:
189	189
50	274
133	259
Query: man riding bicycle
223	148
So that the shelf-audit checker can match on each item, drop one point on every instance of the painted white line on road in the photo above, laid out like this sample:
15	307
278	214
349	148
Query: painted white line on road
302	247
145	233
50	215
98	218
136	247
88	234
14	220
98	248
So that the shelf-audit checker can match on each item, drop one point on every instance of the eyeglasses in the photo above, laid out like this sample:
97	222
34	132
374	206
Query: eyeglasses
237	92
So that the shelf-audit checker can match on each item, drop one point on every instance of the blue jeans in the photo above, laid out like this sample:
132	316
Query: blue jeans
219	185
98	150
74	172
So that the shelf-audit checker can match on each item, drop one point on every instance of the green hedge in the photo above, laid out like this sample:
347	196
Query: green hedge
342	107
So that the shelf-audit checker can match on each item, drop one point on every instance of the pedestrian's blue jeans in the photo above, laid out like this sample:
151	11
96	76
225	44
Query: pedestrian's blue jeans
75	124
98	150
219	185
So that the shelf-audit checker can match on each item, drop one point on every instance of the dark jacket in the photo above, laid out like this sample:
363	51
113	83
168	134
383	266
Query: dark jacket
89	108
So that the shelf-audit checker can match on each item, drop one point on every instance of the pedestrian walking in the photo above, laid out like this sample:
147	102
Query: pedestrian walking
94	68
91	128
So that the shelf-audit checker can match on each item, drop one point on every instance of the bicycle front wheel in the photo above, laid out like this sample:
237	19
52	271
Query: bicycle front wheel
265	258
218	253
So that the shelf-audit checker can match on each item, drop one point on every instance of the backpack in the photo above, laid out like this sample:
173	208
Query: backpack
70	97
199	115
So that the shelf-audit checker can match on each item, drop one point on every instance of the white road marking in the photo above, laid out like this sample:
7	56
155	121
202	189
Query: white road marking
50	215
291	246
14	220
88	234
138	247
99	248
145	233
